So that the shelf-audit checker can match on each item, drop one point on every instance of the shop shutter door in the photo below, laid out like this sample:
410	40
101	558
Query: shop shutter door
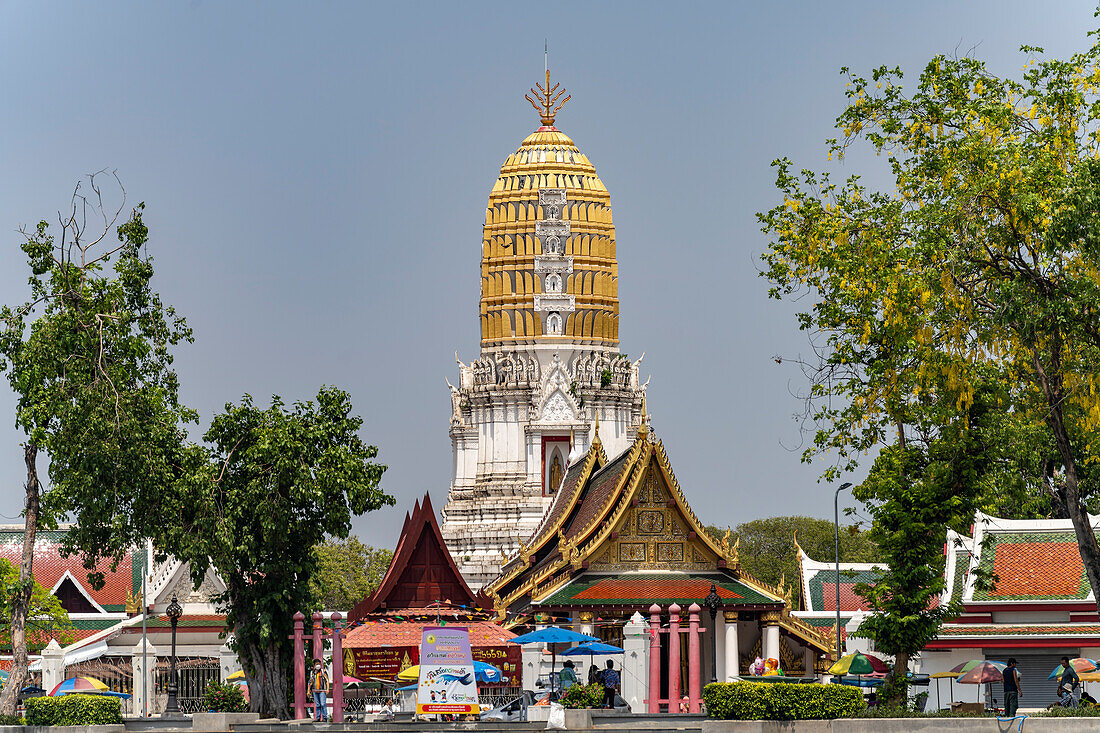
1034	670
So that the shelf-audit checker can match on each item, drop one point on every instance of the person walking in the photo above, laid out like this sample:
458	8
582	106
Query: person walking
318	687
1012	688
610	682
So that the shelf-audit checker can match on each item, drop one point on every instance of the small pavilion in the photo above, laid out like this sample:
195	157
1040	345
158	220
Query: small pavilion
422	587
620	537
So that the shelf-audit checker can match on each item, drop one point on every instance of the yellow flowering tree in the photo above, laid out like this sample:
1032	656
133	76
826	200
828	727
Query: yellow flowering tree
982	262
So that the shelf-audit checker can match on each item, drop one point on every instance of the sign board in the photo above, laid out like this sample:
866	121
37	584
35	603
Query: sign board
447	683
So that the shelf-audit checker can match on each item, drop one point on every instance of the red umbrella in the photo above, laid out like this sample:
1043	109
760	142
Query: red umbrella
981	674
985	673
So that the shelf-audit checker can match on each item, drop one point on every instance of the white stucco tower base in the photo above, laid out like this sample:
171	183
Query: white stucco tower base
517	418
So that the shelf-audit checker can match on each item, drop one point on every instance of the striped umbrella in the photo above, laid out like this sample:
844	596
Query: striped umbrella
85	685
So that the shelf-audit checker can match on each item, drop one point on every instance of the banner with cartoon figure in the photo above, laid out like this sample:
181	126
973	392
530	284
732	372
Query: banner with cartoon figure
447	683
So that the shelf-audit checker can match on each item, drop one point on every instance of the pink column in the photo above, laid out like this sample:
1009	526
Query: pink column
299	666
674	658
694	691
337	669
318	645
654	691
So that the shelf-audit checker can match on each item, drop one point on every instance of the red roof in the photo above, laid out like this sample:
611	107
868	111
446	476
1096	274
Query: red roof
421	572
373	634
1037	568
849	599
653	588
50	566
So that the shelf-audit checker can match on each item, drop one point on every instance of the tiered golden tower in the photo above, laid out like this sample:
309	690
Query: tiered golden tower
548	267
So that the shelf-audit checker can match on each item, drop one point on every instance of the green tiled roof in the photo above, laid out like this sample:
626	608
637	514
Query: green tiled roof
823	579
958	582
646	589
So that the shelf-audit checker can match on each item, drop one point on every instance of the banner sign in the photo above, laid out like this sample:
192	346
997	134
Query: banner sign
447	683
381	662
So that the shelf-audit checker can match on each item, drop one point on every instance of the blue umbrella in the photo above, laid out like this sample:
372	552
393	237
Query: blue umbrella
593	647
486	672
552	635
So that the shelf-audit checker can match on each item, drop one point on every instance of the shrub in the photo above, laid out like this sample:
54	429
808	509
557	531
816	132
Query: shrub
219	698
781	701
12	720
583	696
74	710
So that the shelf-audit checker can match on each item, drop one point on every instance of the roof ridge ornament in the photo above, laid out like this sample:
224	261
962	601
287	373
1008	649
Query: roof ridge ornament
547	104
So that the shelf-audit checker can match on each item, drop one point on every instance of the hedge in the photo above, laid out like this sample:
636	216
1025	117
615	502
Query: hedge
583	696
781	701
74	710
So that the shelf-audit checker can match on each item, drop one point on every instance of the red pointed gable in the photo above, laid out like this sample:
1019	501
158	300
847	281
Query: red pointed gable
422	571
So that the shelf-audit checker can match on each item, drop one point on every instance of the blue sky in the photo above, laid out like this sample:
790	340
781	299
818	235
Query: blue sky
316	177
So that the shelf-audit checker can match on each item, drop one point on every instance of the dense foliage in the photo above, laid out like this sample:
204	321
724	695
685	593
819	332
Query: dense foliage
781	701
347	572
223	698
273	483
583	696
88	357
46	619
767	551
979	271
74	710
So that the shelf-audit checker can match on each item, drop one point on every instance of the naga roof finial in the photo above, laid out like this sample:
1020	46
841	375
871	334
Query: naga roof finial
546	99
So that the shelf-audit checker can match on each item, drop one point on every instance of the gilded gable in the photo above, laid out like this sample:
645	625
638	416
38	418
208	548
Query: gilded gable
654	534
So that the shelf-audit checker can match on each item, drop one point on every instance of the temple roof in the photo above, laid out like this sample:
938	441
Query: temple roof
67	575
1034	560
818	580
374	634
660	588
421	572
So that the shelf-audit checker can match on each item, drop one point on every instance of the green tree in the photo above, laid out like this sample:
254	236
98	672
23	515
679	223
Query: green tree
347	572
255	505
914	491
88	357
981	263
767	551
46	619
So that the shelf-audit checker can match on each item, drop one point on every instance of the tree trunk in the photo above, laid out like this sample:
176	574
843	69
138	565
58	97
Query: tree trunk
1069	493
267	688
898	687
21	599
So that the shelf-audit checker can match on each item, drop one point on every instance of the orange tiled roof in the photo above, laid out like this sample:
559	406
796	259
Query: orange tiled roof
372	634
1039	565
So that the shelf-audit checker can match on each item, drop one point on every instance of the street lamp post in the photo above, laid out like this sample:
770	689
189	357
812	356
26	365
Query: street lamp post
713	602
174	611
836	538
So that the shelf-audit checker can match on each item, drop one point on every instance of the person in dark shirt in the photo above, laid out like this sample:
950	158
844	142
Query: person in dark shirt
1012	688
1068	685
610	682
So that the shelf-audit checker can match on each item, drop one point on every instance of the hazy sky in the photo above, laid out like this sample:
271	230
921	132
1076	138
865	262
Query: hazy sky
316	177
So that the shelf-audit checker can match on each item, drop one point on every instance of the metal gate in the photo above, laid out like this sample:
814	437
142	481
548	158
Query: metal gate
1038	691
193	673
115	672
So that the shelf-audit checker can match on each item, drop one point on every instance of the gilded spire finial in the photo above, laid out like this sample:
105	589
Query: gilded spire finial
546	98
596	429
643	424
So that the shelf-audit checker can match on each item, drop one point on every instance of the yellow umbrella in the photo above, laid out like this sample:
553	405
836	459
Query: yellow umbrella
410	673
238	675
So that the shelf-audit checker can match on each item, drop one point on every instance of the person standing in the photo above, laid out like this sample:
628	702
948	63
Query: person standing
594	675
1012	688
610	682
568	676
1069	685
318	686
